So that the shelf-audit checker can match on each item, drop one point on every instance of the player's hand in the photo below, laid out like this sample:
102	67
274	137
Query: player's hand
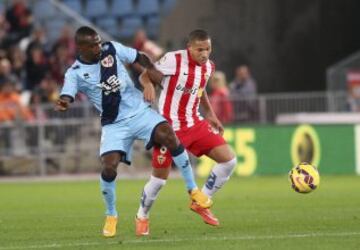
149	93
216	124
61	105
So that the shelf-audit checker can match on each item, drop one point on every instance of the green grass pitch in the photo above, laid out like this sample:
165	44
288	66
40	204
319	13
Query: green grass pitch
255	213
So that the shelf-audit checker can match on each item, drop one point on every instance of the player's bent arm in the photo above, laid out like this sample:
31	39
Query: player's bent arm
149	90
206	106
209	113
155	75
63	103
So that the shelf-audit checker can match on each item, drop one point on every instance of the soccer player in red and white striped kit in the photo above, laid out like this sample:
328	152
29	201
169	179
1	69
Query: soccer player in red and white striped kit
183	76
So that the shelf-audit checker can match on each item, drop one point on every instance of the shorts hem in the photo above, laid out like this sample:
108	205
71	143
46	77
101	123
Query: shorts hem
123	155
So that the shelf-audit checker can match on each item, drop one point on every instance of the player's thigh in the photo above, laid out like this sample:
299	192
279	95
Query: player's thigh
221	153
146	125
116	138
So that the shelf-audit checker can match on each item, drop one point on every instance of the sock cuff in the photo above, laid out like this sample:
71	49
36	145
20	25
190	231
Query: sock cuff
179	150
225	167
230	163
157	181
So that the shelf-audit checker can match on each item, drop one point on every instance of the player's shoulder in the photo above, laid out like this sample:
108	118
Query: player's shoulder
74	68
170	56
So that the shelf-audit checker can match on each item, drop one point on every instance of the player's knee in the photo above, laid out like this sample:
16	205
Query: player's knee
170	141
166	136
110	164
109	168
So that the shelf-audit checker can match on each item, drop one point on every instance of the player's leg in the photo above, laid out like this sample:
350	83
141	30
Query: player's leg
205	141
155	130
116	145
225	160
150	192
109	162
165	135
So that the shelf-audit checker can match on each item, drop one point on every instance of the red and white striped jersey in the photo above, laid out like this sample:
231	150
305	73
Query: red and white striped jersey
183	84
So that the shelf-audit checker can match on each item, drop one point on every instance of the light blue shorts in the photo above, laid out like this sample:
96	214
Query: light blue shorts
120	136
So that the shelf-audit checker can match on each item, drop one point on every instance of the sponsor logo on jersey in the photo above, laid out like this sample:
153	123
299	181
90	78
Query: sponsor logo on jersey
186	90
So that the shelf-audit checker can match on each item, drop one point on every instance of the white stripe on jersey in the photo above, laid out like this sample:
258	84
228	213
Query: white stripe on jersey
209	72
163	93
175	100
191	102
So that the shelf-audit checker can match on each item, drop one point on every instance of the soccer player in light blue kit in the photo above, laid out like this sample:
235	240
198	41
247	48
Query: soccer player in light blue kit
99	72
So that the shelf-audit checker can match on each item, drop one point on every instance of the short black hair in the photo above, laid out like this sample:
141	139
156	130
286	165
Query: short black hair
84	31
198	35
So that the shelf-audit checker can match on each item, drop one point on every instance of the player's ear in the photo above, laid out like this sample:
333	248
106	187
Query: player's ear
188	45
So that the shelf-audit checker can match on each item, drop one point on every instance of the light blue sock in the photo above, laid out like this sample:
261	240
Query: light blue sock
109	194
182	162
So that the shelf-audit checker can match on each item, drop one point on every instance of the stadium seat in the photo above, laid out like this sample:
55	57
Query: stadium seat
43	9
152	26
109	25
54	27
148	7
96	9
129	26
75	5
167	6
122	8
2	7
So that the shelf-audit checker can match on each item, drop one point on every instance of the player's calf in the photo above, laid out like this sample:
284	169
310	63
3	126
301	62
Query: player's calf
219	175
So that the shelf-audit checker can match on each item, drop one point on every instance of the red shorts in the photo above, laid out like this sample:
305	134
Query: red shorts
199	139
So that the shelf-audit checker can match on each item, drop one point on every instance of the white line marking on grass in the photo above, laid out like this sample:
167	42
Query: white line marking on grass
149	240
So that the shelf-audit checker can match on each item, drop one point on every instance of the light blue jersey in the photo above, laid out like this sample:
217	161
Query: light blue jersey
84	77
125	122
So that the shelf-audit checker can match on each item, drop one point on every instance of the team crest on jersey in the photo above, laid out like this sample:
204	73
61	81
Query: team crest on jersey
200	92
162	60
108	61
207	76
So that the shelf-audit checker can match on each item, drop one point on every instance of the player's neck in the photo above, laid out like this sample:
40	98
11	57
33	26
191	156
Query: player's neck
84	60
191	59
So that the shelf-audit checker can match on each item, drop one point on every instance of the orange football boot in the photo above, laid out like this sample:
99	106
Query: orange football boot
205	214
142	226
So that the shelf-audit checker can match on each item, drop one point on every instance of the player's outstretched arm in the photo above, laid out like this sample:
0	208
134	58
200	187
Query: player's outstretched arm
63	103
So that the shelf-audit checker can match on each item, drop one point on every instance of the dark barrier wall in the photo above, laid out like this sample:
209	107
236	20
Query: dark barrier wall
288	43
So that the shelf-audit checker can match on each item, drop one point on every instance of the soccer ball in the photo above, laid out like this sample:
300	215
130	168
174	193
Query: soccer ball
304	178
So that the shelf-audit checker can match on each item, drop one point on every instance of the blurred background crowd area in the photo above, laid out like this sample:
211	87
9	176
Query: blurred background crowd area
272	57
36	48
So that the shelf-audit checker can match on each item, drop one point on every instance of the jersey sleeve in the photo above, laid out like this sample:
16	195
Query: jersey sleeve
70	87
167	64
126	54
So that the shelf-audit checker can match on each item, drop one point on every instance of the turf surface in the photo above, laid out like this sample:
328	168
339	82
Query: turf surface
255	213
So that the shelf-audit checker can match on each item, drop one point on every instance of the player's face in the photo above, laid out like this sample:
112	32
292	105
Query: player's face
90	48
200	50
